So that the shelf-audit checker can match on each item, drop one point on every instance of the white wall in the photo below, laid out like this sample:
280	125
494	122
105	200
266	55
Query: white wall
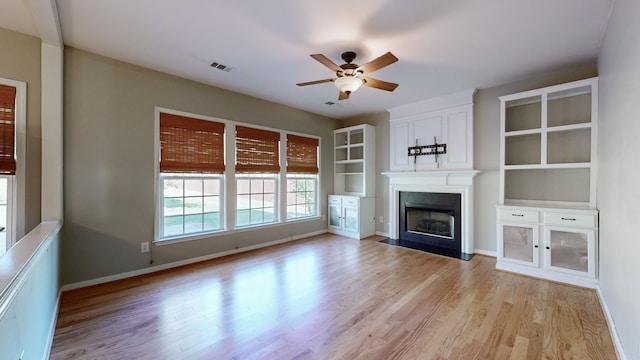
619	172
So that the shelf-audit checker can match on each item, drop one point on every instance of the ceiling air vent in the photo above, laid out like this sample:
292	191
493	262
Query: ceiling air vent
329	103
217	65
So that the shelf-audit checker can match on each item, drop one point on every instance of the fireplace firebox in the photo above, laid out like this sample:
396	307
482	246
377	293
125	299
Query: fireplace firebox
431	222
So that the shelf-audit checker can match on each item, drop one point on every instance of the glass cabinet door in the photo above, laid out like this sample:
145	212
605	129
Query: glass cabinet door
351	218
335	217
519	243
570	250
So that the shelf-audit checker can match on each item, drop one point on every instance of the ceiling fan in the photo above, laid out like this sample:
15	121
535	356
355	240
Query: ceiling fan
349	77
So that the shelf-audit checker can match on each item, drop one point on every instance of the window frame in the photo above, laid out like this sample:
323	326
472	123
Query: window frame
228	196
184	177
159	183
316	197
276	198
16	199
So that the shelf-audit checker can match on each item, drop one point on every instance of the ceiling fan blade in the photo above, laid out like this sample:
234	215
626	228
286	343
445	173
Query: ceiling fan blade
315	82
378	63
379	84
326	62
343	96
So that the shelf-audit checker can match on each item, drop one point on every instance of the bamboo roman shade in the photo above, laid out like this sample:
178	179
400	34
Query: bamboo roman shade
302	154
257	150
7	129
189	145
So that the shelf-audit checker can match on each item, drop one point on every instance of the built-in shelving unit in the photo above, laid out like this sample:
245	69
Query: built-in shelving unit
548	148
547	216
354	156
352	206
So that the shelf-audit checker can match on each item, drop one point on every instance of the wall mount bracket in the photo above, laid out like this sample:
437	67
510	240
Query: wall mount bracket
433	149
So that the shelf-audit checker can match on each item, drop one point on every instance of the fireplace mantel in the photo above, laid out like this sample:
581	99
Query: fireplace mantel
444	177
442	181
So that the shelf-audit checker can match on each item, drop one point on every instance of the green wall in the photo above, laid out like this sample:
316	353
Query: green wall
109	163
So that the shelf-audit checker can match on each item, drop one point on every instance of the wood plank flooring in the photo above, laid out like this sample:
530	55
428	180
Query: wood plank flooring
329	297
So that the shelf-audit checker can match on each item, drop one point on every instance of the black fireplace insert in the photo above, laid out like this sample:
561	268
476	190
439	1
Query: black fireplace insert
431	222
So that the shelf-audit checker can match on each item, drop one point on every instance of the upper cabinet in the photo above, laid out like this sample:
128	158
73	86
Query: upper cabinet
549	137
433	134
354	160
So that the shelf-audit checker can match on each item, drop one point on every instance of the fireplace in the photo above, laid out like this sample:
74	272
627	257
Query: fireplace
432	211
431	219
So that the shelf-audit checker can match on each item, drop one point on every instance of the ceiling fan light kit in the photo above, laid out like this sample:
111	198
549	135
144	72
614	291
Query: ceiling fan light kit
348	84
350	77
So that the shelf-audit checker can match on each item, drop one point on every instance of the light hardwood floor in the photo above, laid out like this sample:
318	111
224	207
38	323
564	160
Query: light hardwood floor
329	297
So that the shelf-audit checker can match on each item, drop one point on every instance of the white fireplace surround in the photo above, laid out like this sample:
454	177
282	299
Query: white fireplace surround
438	181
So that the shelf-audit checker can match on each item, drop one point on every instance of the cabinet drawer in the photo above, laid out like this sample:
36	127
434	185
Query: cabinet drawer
335	200
518	215
568	219
353	201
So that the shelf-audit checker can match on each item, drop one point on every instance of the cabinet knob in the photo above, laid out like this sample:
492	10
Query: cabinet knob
536	246
548	248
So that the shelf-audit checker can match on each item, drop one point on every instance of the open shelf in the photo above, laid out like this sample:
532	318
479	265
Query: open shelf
523	114
548	144
571	146
572	106
548	185
354	161
349	167
523	149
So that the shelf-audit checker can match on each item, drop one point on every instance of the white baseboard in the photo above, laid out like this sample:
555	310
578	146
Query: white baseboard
382	233
485	252
156	268
612	325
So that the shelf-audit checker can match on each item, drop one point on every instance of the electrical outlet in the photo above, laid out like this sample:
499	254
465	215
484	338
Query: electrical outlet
381	220
144	247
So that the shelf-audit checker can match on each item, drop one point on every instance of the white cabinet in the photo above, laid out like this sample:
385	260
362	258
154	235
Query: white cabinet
352	207
452	127
351	216
518	230
354	160
547	221
555	244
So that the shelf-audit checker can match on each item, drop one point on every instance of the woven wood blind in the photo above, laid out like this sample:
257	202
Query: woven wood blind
302	154
257	150
189	145
7	129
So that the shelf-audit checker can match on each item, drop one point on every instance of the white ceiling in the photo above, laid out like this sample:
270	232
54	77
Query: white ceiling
444	46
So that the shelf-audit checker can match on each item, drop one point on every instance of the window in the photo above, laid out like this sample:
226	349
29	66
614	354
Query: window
301	195
257	166
276	176
256	199
302	176
12	141
191	204
7	129
191	164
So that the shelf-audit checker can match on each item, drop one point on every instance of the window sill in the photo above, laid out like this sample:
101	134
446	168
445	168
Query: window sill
201	236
